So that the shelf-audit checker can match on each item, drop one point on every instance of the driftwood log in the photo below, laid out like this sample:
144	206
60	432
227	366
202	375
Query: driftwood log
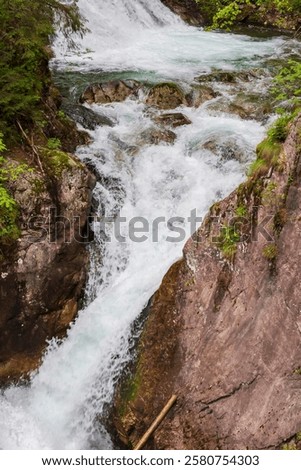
156	423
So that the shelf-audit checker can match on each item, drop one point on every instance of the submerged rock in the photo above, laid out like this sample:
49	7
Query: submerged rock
199	95
122	145
254	106
225	76
173	119
156	136
223	331
109	92
246	106
165	96
227	150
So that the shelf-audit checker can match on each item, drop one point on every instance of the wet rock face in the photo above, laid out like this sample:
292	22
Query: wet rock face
161	96
245	106
245	95
157	136
252	106
87	117
188	10
227	150
224	76
223	331
108	92
199	95
43	276
166	96
172	119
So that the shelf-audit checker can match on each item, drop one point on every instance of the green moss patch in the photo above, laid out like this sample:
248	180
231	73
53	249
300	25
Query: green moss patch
56	161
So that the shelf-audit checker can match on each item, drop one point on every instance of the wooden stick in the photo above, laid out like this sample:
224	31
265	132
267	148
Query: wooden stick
156	423
33	147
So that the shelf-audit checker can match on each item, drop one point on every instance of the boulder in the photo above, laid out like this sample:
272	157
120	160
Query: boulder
86	117
172	119
200	94
157	136
123	146
109	92
218	76
254	106
229	76
245	106
165	96
227	150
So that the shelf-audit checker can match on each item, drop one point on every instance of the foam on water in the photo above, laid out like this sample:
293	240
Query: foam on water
61	406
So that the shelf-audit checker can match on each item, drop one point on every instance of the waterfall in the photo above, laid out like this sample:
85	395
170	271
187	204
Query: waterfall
117	24
60	408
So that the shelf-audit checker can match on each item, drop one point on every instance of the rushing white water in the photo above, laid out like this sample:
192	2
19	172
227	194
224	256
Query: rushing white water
59	409
131	36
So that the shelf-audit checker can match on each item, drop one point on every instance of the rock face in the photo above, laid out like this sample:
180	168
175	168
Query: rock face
42	278
199	95
157	136
86	117
225	76
188	10
224	329
166	96
161	96
108	92
245	107
172	119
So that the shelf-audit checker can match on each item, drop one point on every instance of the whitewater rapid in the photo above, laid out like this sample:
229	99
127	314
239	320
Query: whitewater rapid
62	406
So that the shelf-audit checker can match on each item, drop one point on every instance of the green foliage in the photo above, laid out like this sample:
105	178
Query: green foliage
241	211
258	168
279	130
227	16
8	217
2	145
268	195
9	211
56	161
286	91
25	31
8	207
228	239
287	85
270	252
224	14
38	186
62	115
289	446
11	172
268	152
54	144
130	390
